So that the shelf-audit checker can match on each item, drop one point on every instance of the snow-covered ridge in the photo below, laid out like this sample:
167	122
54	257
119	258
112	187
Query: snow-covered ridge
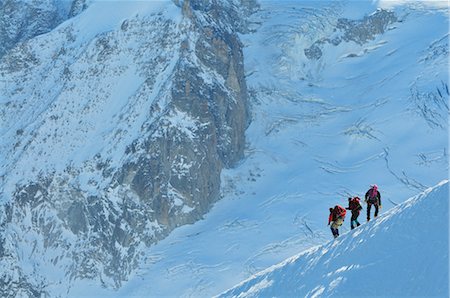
404	252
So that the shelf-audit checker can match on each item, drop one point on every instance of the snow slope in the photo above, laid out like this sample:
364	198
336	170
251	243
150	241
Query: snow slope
402	253
313	141
56	120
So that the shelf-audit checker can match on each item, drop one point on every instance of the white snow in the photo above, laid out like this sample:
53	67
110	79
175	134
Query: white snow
389	4
182	122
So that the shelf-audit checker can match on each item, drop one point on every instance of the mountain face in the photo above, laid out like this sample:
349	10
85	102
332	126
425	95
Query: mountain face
116	125
342	268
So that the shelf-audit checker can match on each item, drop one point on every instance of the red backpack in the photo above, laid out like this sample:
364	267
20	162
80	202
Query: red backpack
339	211
355	204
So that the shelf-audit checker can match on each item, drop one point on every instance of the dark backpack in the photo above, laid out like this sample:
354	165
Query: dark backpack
373	196
355	204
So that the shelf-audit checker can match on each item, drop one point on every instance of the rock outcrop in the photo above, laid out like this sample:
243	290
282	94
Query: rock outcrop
358	31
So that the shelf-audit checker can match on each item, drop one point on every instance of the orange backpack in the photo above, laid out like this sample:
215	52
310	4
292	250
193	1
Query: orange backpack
339	211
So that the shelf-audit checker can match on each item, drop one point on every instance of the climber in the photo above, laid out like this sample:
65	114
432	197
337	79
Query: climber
355	206
373	197
336	218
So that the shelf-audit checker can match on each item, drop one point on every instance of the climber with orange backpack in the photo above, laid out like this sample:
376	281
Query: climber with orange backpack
373	197
354	205
336	218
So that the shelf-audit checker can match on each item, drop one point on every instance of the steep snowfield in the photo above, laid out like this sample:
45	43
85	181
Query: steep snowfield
402	253
322	130
61	109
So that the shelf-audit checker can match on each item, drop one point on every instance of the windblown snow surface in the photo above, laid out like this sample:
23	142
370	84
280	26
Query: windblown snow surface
404	252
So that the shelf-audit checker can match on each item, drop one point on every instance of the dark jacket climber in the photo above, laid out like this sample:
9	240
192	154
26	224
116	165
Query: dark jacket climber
354	205
373	197
336	218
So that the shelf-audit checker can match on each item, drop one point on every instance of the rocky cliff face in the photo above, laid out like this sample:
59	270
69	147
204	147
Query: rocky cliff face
113	135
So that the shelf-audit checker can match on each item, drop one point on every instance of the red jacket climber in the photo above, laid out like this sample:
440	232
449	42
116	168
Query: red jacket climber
337	215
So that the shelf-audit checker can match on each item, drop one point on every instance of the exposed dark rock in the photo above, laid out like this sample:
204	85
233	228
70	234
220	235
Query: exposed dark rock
367	28
358	31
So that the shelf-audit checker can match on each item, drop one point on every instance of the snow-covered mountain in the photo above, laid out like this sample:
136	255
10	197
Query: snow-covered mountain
402	253
126	121
116	122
